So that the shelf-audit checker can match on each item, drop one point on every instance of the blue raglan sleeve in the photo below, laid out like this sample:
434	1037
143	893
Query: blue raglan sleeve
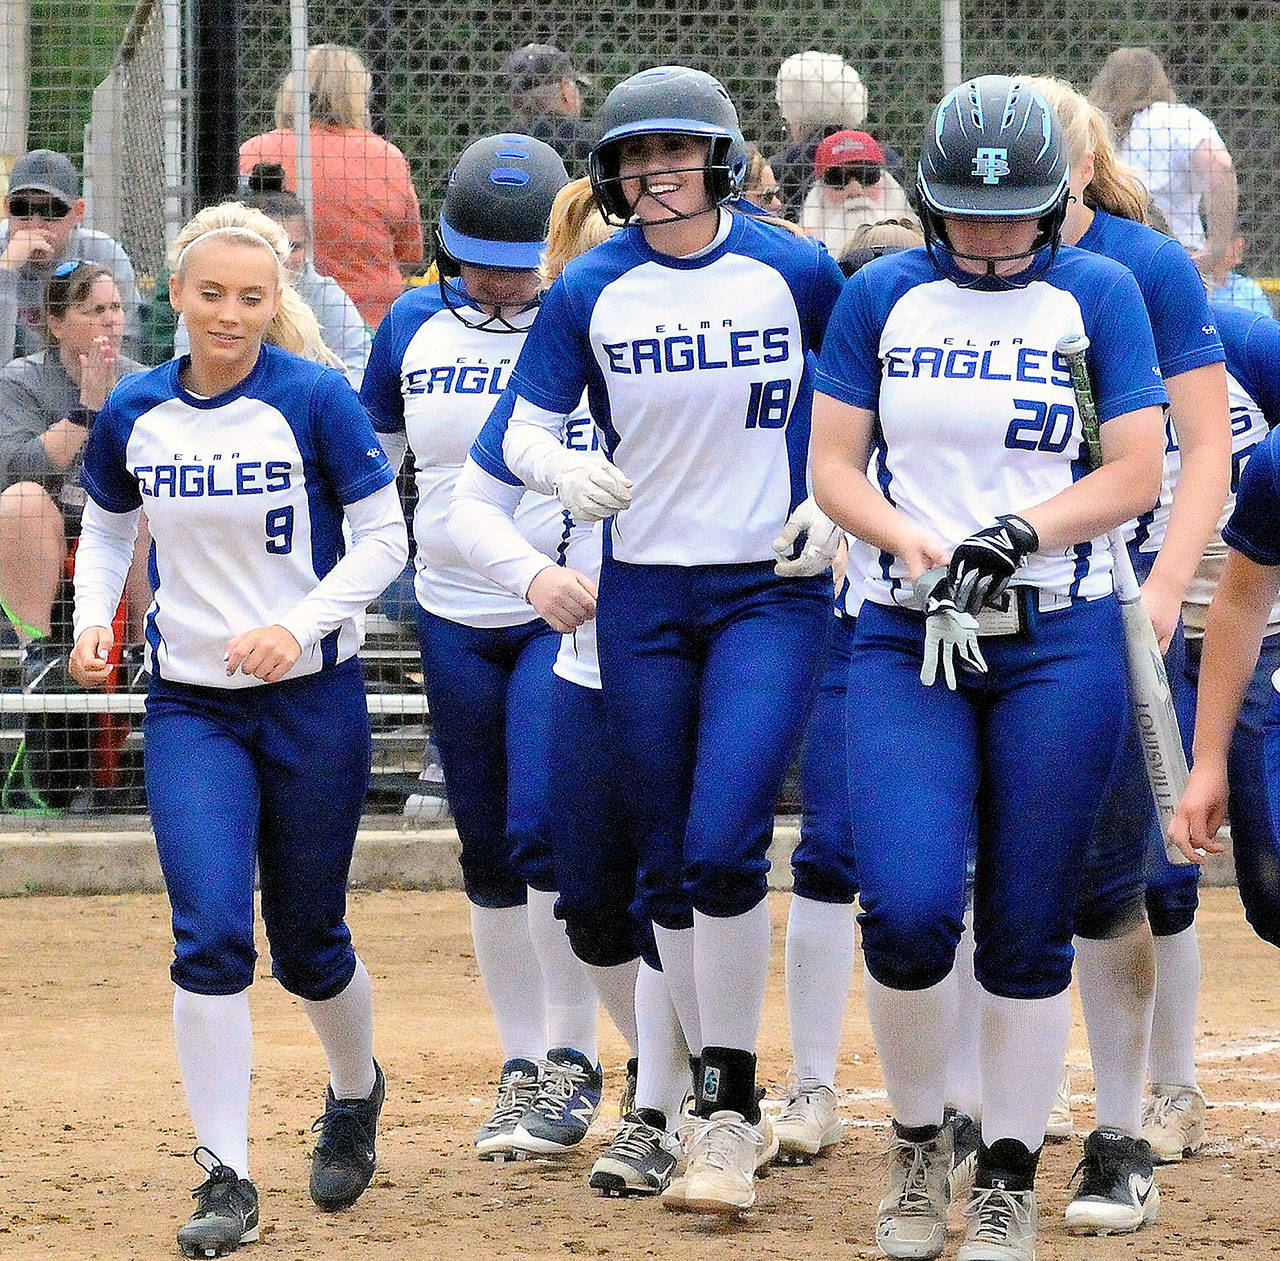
105	474
1178	306
553	365
1254	526
849	366
486	450
380	389
345	444
825	289
1122	354
1262	354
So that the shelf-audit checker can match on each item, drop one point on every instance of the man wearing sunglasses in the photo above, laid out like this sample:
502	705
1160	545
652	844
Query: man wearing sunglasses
43	229
851	187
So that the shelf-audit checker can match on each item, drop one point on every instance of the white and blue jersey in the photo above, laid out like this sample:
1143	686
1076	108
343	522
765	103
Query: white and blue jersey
1252	344
1185	333
244	495
434	378
695	372
580	544
976	413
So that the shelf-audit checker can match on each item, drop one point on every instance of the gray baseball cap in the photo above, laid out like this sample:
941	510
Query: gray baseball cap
535	64
44	171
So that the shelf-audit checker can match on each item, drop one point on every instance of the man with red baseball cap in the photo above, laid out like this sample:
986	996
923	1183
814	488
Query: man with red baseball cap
851	188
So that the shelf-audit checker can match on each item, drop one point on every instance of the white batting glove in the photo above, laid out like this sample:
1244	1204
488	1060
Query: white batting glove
948	634
590	487
821	542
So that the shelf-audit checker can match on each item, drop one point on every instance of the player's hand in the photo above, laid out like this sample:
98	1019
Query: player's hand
97	374
1164	608
592	488
267	653
564	598
1201	810
27	245
949	634
920	551
88	663
982	564
822	538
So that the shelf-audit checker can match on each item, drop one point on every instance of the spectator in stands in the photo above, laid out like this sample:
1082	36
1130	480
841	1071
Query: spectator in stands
48	403
851	189
366	217
760	186
817	93
1234	287
43	229
341	326
1176	151
546	97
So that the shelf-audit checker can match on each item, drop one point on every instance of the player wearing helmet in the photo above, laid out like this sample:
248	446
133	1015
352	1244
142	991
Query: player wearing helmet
940	369
440	361
688	329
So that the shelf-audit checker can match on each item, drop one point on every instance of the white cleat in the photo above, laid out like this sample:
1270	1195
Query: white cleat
1002	1226
1173	1122
808	1125
725	1152
911	1221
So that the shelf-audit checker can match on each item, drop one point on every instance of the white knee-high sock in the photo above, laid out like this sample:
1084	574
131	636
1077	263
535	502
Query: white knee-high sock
663	1079
1024	1041
675	948
616	989
964	1056
910	1026
1117	992
344	1024
1173	1025
214	1039
820	949
512	979
572	1005
730	964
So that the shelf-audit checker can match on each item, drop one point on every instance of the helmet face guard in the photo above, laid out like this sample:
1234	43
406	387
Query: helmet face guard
668	100
994	150
495	215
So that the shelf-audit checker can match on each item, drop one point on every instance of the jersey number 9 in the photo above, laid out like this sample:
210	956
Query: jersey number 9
280	530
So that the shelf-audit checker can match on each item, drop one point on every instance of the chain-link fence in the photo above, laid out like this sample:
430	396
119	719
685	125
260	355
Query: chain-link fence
115	87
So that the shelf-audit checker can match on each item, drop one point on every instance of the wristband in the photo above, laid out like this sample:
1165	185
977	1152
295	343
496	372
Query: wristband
82	416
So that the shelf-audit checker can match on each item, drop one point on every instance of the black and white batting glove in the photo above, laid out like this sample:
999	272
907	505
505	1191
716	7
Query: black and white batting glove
591	487
821	542
950	635
982	564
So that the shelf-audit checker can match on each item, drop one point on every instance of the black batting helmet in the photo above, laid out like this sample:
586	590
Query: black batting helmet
498	203
994	149
668	100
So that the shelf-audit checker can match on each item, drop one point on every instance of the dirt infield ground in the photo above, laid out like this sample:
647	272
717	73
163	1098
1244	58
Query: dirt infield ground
94	1145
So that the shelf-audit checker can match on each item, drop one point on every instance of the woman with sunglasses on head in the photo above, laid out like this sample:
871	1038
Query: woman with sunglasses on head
688	330
49	402
440	362
940	371
257	743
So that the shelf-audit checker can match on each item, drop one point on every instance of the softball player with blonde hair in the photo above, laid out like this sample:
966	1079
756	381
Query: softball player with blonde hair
248	460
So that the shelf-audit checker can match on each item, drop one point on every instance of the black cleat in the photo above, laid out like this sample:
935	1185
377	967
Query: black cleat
1117	1192
226	1211
345	1157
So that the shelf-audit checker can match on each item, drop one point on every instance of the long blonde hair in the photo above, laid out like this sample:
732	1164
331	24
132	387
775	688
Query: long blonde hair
576	226
294	326
1129	81
338	84
1115	186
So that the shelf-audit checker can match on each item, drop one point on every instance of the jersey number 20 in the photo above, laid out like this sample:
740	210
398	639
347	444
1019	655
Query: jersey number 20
280	530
